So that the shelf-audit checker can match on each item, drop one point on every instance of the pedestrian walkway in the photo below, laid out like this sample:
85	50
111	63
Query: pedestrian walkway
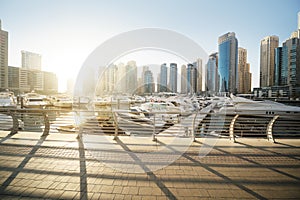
57	166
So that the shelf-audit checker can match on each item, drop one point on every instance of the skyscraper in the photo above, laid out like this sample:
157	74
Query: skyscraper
131	77
191	78
120	81
31	60
227	61
212	73
267	60
148	82
244	83
291	61
287	61
163	80
3	58
198	66
173	77
183	80
278	81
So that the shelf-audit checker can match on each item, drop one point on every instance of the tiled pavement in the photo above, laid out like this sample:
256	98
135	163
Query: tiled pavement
58	167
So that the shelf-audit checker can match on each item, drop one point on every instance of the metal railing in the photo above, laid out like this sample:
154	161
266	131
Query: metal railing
124	122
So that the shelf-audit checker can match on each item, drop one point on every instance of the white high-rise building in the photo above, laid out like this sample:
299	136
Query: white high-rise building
244	83
198	65
267	60
183	81
131	77
31	60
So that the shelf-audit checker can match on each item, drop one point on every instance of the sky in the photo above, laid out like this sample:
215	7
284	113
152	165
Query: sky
65	32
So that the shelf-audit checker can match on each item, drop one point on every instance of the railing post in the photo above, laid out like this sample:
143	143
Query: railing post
15	127
231	128
193	127
47	124
270	129
115	116
154	131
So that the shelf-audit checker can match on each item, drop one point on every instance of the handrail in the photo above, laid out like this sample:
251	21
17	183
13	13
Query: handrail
231	128
270	129
262	124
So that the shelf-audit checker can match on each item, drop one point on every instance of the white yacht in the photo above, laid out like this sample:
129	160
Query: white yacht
137	121
34	100
239	105
62	101
7	100
165	111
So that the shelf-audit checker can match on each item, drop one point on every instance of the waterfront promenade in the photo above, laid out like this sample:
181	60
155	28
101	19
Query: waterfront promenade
56	166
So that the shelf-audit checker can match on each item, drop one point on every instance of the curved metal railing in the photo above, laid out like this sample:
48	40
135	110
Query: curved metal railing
117	122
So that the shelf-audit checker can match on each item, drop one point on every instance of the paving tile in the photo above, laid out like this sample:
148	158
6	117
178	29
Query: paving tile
68	195
250	169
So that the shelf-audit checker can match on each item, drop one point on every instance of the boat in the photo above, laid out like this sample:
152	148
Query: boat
34	100
185	104
62	101
7	100
137	121
166	111
100	101
240	105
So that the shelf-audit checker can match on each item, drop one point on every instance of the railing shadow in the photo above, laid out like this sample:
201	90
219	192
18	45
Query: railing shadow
224	177
82	165
151	175
22	165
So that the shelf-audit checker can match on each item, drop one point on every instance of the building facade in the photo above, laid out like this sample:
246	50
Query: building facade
244	75
131	77
191	78
183	80
267	60
163	78
198	66
212	73
3	59
278	66
31	60
173	78
23	81
227	63
148	82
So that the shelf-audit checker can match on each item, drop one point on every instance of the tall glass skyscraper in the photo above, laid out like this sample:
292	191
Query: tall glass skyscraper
212	73
290	69
148	82
163	78
227	61
278	66
173	77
